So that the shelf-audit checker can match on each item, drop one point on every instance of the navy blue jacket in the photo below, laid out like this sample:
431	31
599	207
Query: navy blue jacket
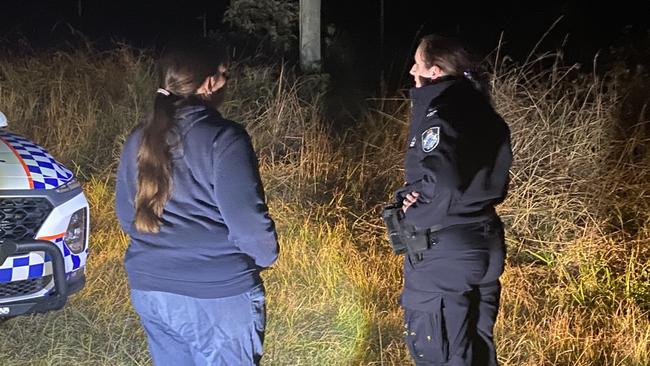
458	155
216	234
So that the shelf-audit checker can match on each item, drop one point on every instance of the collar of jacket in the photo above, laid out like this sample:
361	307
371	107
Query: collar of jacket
425	94
188	115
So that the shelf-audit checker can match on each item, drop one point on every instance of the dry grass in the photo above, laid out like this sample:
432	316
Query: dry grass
577	283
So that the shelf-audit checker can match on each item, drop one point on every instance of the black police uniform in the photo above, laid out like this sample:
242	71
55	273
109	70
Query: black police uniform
458	159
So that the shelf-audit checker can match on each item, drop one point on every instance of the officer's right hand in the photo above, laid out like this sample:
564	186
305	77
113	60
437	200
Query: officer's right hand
410	199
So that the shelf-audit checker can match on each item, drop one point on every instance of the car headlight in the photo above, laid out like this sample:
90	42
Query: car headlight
72	184
75	236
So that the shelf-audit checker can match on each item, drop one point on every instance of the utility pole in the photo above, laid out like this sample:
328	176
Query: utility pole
382	81
310	53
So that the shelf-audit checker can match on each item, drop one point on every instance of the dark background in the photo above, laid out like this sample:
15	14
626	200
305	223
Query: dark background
585	29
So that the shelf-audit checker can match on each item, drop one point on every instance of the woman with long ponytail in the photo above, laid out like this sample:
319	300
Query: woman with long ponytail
190	197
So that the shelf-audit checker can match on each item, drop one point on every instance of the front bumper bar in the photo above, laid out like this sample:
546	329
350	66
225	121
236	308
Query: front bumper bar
55	299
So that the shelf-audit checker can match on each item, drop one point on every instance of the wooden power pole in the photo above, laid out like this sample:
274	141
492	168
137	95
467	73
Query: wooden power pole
310	55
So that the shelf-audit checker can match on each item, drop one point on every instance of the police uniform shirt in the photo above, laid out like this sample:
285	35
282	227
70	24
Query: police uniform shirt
458	155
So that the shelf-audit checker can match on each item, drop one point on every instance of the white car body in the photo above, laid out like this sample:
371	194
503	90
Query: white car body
43	211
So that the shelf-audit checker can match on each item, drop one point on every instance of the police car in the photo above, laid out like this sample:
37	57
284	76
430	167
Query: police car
44	220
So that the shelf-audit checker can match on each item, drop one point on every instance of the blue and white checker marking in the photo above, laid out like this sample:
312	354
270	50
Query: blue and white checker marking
46	172
39	264
25	267
72	261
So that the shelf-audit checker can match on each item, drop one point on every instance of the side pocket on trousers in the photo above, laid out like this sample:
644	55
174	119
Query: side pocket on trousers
258	311
144	305
426	336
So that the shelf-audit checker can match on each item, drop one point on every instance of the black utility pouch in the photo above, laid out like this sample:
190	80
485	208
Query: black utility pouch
392	215
417	241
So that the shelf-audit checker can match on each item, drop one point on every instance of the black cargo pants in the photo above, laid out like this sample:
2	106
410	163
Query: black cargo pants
451	296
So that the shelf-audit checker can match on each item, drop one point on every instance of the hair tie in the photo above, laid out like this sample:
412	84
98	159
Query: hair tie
164	92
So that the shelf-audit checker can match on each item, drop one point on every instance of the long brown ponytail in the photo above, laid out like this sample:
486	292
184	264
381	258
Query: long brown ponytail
183	69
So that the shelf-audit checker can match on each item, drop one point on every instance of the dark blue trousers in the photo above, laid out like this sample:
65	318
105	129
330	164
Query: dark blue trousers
451	296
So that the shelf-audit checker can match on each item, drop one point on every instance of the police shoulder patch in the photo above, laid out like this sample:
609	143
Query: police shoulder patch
430	139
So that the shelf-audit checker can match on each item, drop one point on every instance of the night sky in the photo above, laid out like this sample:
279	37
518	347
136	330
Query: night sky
584	29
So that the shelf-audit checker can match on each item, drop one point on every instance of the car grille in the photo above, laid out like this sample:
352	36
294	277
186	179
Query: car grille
21	217
26	287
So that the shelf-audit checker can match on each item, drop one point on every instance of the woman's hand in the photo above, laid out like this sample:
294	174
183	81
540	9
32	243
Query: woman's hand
410	199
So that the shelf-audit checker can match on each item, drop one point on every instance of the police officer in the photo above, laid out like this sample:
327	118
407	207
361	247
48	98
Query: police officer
456	166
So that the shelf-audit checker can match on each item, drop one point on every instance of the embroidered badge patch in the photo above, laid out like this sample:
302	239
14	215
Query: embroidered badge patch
430	139
413	140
